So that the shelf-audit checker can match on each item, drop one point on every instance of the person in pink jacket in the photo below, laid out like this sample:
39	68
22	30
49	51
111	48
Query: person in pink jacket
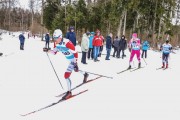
134	46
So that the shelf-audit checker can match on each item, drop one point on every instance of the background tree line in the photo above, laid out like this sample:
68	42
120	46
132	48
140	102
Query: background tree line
151	19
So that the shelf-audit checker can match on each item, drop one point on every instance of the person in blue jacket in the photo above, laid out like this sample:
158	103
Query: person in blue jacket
47	38
145	47
22	39
90	51
71	35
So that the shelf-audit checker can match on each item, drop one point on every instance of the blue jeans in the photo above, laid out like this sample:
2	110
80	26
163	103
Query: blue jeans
108	53
96	52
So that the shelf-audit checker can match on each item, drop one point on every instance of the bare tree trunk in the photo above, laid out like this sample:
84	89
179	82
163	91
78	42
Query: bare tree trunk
120	25
124	28
154	23
42	26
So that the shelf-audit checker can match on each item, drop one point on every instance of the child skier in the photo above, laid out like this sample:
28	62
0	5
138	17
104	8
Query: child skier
145	47
68	49
134	46
166	50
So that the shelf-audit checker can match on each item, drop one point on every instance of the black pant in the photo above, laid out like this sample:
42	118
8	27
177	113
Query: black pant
144	52
116	52
122	53
47	44
165	57
21	46
83	59
90	53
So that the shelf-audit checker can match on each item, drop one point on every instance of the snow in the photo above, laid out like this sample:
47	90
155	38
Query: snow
28	82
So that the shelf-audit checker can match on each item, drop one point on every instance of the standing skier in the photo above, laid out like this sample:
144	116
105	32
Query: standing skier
134	46
68	49
145	47
166	50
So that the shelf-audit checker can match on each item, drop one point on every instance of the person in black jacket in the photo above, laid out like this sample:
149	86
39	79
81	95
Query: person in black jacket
108	46
116	47
122	46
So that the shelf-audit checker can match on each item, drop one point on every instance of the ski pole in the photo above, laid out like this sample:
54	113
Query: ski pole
145	61
54	70
97	74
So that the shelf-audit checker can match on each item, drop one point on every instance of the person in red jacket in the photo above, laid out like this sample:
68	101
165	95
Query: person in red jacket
97	42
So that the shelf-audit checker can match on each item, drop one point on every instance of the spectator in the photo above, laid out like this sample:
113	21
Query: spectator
84	46
122	46
22	40
71	35
97	42
47	38
108	45
116	47
90	51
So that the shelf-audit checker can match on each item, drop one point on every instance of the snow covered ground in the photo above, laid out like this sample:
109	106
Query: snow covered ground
28	82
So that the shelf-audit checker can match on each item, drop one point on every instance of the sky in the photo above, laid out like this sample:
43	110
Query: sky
24	3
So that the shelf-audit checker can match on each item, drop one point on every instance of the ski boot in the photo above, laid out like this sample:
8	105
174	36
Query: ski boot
166	66
67	95
85	77
163	65
139	65
129	67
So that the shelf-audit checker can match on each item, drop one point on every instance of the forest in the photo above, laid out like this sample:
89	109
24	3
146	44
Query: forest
151	19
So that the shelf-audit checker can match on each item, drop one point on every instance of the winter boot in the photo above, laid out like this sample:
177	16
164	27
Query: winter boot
139	65
166	65
163	65
85	77
67	95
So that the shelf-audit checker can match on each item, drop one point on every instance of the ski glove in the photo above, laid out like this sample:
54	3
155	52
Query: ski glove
76	68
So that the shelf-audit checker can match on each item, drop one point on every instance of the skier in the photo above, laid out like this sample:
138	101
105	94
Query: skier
68	49
145	47
166	50
22	39
134	46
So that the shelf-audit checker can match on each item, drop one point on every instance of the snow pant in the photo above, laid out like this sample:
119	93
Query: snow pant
165	57
68	72
83	59
47	44
122	52
90	53
21	46
144	52
116	52
96	52
137	53
108	53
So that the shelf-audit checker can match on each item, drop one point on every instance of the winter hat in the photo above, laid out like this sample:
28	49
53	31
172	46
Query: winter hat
71	28
92	33
57	34
134	35
87	33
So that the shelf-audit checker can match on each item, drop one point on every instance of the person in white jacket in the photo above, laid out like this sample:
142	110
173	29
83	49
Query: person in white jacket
85	46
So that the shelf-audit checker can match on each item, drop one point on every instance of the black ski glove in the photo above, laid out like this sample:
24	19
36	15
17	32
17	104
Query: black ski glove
76	68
